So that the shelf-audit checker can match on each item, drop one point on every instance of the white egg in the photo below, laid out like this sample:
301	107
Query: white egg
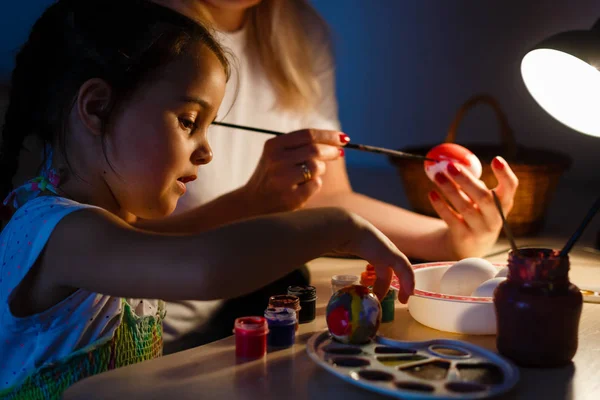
462	278
503	273
486	289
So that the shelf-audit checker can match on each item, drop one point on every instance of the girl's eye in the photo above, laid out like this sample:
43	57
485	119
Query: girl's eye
187	123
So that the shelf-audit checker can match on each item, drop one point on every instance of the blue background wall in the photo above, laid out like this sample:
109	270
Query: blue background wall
405	66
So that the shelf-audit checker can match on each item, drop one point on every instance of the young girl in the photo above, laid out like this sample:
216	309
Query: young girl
286	82
122	92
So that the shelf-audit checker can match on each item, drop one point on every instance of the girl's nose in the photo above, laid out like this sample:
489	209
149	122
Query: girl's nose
202	155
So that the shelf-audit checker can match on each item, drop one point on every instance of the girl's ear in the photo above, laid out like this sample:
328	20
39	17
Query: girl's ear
93	101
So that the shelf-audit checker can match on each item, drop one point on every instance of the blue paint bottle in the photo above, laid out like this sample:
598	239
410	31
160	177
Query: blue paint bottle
282	327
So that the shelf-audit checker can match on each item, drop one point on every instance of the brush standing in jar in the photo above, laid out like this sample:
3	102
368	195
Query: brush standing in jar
538	309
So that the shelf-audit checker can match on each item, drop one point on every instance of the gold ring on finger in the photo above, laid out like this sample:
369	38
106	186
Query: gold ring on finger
306	172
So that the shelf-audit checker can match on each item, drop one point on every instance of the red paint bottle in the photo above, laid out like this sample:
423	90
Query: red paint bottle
538	309
250	337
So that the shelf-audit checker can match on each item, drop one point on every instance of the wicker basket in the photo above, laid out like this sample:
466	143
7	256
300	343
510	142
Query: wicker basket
538	171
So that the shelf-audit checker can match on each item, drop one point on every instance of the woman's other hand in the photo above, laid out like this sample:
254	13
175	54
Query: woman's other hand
474	224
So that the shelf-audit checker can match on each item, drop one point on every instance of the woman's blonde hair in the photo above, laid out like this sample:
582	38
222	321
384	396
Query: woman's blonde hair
288	38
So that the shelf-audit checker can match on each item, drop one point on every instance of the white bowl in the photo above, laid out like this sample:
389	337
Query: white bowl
458	314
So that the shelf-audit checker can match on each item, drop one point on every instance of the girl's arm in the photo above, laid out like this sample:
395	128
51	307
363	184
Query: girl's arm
95	250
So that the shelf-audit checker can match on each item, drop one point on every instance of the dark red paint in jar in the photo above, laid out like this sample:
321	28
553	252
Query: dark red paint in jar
250	337
538	309
286	301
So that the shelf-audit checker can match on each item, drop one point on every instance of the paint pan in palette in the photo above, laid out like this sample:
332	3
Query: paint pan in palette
435	369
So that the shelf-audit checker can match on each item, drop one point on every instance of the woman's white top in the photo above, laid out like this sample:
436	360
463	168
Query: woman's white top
249	100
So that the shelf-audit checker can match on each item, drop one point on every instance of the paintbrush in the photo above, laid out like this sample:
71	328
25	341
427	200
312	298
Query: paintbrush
361	147
581	228
505	226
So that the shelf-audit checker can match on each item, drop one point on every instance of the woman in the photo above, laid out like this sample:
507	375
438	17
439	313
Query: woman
284	81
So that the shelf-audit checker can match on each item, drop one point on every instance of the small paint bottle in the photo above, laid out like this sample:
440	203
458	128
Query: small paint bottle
282	327
341	281
537	309
250	337
308	302
286	301
388	309
367	278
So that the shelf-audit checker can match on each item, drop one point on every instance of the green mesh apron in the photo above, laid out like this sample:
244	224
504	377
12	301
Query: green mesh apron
135	339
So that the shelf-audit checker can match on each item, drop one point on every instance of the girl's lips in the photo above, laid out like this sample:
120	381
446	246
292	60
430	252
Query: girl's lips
186	179
181	186
183	180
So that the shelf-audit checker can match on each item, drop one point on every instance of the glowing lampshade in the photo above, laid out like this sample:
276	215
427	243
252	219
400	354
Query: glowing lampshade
561	73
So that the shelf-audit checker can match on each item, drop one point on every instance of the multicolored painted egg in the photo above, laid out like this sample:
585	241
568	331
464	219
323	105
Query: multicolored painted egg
353	315
451	152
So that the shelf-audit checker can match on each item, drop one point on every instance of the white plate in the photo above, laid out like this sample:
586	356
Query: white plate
591	294
458	314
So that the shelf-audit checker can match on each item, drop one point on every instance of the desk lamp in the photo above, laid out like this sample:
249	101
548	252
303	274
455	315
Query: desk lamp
561	74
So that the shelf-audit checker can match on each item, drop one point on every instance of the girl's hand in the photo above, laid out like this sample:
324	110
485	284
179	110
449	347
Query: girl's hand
368	243
290	169
475	225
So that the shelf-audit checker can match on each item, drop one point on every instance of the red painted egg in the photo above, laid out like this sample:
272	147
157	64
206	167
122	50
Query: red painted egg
353	315
451	152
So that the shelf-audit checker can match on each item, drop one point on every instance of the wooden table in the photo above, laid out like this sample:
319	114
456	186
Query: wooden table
212	371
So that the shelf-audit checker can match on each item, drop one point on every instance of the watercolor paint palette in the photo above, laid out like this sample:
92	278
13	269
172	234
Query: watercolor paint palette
434	369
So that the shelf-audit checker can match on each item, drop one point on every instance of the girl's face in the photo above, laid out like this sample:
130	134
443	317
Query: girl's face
159	138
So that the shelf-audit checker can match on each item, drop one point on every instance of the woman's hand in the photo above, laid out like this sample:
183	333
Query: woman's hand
368	243
290	169
475	225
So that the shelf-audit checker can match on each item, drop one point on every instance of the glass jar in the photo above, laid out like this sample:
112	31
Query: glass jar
341	281
537	309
